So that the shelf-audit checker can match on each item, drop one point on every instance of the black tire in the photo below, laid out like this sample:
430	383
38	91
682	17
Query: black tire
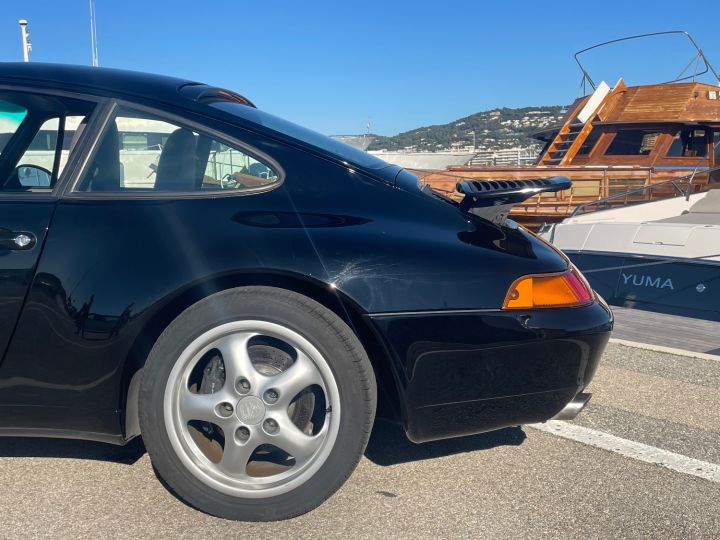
328	333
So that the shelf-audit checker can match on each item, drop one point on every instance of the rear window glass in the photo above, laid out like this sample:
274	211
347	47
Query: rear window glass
344	151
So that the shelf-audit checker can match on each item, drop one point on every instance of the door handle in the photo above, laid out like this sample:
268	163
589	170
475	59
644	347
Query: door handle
17	240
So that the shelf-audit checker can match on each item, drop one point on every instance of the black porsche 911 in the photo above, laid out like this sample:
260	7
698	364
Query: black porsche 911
245	293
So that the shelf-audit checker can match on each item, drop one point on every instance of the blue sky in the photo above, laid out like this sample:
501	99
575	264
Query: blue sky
332	66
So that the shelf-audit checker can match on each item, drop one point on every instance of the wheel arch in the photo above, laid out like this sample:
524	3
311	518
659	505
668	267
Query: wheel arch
332	299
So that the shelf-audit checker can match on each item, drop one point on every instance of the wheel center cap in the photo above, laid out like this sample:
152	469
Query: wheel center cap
250	410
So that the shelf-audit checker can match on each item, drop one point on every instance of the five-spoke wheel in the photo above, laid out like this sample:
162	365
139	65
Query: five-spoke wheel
257	411
256	403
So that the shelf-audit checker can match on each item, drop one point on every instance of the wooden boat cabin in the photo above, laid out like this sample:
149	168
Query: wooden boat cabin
628	143
615	141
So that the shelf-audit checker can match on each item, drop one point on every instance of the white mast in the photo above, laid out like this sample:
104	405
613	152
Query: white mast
93	35
26	45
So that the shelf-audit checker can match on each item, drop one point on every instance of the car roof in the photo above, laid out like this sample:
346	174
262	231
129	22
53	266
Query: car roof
112	82
157	89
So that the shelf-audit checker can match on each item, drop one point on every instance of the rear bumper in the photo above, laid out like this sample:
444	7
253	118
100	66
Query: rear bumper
461	373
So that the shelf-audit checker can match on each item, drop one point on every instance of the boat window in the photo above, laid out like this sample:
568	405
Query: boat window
545	147
689	143
632	143
138	152
589	143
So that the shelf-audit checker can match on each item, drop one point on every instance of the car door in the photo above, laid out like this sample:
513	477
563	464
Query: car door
131	229
36	134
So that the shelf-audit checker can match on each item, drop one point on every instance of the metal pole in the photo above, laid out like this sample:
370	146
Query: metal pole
93	35
26	46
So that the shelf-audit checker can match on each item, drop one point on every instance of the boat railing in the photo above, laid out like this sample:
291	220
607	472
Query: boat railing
682	186
701	62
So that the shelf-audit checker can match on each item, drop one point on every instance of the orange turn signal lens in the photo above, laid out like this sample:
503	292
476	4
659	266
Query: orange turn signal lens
569	289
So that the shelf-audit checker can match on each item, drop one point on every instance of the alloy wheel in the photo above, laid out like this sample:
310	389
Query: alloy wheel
252	408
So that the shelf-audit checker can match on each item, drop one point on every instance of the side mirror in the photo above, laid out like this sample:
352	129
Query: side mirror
33	176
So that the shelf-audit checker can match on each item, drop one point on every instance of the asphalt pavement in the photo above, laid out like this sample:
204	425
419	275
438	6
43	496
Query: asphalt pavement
515	483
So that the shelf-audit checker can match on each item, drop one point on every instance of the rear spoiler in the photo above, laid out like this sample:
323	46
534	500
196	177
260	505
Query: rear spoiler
493	199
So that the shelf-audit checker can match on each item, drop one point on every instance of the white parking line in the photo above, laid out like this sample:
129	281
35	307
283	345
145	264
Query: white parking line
663	349
632	449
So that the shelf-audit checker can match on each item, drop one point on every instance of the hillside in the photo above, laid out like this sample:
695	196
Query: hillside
494	130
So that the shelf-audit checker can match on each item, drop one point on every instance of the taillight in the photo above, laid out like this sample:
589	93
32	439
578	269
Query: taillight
538	291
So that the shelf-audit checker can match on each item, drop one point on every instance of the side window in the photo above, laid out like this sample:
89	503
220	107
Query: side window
632	143
36	136
141	153
231	168
689	143
11	116
37	163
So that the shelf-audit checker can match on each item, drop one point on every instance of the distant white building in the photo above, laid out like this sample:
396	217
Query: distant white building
507	157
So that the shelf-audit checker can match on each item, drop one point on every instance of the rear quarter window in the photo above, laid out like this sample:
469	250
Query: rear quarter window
142	153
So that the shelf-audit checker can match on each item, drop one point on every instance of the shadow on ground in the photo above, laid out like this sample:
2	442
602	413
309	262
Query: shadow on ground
73	449
389	446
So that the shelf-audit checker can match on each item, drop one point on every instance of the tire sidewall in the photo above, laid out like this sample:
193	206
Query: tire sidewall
336	343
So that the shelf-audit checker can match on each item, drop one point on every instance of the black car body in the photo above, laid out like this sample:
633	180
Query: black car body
420	282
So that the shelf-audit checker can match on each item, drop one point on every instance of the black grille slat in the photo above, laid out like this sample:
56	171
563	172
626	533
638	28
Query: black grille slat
489	186
497	193
475	188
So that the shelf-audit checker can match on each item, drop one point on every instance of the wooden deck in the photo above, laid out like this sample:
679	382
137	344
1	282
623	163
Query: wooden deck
685	333
590	184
